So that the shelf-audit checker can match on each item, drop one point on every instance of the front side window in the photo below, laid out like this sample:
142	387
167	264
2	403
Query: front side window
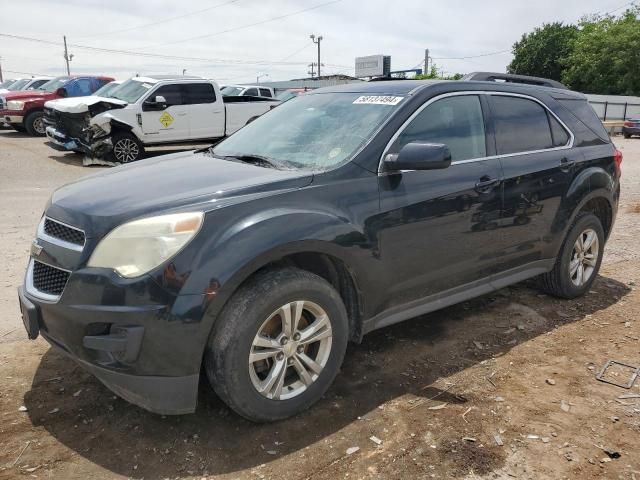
456	122
521	125
80	88
197	93
37	83
171	93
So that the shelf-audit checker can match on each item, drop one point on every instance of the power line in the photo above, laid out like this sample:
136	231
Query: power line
152	55
241	27
473	56
165	20
620	7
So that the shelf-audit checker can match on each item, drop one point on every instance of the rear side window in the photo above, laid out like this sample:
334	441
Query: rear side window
37	83
585	113
171	93
265	92
252	92
559	134
454	121
521	125
197	93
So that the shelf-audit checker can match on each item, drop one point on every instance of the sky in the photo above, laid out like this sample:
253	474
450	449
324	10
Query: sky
237	41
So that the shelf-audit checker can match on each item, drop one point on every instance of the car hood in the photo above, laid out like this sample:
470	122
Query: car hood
83	104
172	182
25	94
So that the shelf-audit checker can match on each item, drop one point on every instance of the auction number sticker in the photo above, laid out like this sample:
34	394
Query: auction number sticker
377	100
166	119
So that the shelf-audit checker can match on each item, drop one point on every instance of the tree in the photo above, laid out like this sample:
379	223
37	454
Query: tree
541	52
605	55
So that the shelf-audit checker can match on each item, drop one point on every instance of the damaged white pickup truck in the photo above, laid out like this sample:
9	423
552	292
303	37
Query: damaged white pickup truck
146	111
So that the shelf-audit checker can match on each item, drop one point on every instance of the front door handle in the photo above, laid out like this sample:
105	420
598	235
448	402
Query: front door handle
566	164
486	184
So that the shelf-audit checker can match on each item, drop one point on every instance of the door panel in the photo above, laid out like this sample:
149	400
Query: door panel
432	231
537	169
206	115
170	124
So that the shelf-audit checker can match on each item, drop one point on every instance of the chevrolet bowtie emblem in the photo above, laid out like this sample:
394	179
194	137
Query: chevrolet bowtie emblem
36	249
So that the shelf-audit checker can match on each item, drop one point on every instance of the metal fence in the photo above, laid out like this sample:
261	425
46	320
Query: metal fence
615	110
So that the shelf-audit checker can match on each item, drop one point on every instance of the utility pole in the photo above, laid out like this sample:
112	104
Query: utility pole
67	57
426	62
1	79
312	72
317	42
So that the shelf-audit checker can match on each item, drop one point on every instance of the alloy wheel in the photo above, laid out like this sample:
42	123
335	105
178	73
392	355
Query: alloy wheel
584	257
126	150
38	126
290	350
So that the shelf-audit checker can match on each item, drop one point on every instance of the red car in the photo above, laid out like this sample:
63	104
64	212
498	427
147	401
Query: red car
23	110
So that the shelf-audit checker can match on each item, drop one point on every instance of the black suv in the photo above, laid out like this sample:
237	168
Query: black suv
342	211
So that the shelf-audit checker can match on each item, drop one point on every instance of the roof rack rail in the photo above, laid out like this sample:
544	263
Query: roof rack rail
510	78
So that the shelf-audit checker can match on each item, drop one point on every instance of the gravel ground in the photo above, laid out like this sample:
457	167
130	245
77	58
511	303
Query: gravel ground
499	387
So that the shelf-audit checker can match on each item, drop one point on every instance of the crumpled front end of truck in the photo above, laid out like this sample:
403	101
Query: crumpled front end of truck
87	132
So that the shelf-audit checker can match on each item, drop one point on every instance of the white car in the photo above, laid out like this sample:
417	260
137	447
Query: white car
247	91
25	84
147	111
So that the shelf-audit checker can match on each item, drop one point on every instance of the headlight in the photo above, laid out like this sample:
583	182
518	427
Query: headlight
15	105
137	247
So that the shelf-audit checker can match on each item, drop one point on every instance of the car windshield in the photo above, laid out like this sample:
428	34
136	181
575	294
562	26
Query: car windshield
19	84
313	132
131	90
6	83
231	91
287	95
53	85
106	90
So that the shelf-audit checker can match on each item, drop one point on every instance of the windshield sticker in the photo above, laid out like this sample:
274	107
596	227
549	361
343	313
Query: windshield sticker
377	100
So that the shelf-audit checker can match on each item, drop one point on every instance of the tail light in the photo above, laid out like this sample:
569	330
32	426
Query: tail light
617	159
628	124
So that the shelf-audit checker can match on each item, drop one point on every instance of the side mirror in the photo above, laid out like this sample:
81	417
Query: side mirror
62	92
419	156
156	103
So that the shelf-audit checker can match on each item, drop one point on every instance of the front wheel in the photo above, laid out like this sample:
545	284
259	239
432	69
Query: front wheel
278	345
579	260
126	148
34	124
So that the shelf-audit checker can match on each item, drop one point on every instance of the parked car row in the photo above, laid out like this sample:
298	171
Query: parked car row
23	84
113	122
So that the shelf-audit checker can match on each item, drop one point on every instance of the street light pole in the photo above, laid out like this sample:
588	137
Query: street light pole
260	76
317	41
67	57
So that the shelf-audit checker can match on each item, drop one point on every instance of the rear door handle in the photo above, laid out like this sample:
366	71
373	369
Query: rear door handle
486	184
566	164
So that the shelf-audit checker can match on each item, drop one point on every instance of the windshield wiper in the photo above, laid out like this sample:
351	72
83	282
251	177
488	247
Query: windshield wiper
254	159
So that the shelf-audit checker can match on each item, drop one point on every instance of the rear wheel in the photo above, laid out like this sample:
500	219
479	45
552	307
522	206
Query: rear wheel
278	345
126	148
34	124
627	135
579	260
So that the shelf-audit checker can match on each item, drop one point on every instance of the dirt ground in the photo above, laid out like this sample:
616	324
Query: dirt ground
499	387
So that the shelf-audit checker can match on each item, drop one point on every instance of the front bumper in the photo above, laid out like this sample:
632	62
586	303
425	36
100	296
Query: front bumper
142	343
59	141
12	119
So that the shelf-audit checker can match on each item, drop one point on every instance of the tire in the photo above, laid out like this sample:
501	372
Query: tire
561	281
126	148
627	135
254	309
18	128
34	124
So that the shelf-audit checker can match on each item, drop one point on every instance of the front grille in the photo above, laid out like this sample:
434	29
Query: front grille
49	280
62	232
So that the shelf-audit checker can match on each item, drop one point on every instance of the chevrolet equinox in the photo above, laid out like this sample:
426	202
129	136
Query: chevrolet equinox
340	212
